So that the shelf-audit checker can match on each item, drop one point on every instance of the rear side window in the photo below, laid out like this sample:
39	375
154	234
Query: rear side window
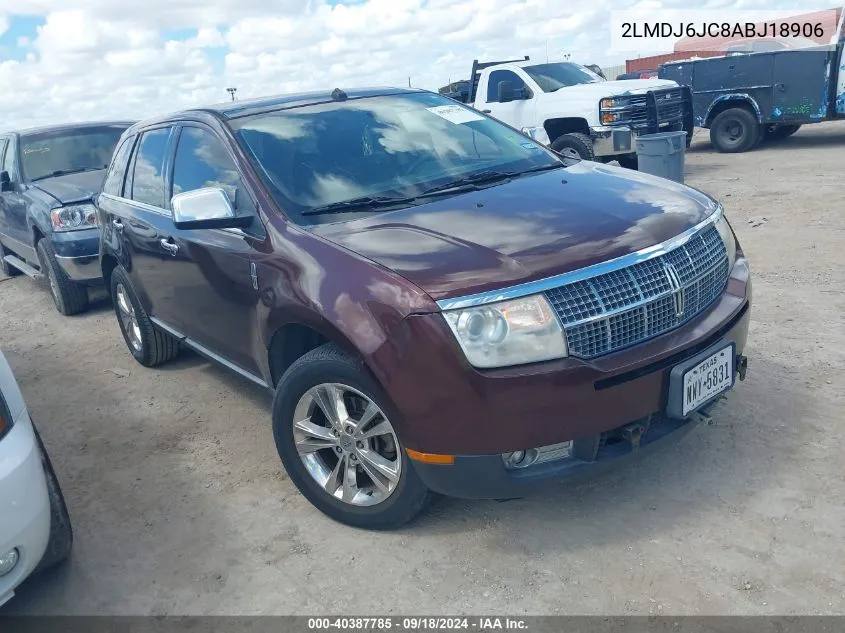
117	170
202	161
148	172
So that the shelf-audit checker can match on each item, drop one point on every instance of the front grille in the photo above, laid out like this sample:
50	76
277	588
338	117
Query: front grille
618	309
653	111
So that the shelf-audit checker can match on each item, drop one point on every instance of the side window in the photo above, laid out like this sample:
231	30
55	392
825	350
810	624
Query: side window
117	169
9	160
498	76
148	176
2	150
202	161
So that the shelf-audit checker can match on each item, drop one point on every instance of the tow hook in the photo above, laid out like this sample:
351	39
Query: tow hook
741	366
633	433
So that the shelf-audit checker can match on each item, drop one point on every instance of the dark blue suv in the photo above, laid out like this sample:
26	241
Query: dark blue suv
48	225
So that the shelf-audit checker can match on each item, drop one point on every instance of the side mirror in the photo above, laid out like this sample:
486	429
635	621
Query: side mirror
208	208
506	92
5	181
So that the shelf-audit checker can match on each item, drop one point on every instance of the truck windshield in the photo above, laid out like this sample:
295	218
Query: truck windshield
551	77
402	146
67	151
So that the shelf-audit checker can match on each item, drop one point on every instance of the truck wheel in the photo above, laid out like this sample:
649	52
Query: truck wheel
69	296
735	130
61	532
149	345
576	145
335	437
7	269
778	132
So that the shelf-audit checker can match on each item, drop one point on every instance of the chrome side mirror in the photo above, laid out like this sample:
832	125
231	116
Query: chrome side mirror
207	208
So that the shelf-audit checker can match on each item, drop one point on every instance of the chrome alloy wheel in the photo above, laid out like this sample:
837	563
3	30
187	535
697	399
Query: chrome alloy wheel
128	318
347	444
570	152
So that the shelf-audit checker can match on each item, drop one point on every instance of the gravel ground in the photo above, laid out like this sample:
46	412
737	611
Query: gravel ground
180	505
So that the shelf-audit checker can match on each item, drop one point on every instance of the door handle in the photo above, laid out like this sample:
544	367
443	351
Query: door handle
170	247
781	87
487	111
117	224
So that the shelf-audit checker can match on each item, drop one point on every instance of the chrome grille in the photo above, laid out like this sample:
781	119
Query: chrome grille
617	309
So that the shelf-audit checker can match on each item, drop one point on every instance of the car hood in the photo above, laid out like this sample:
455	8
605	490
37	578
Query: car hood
523	230
72	188
602	89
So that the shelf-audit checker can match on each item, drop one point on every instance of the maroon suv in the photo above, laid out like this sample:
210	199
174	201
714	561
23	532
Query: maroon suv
440	303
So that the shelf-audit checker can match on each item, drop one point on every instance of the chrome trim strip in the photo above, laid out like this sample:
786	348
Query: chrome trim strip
541	285
204	351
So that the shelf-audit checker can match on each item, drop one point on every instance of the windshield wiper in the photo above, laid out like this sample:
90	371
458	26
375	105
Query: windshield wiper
472	182
364	202
65	172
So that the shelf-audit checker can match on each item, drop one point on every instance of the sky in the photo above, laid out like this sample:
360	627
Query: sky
77	60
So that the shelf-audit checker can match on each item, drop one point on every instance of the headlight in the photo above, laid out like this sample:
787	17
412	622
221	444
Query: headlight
73	218
512	332
728	238
608	103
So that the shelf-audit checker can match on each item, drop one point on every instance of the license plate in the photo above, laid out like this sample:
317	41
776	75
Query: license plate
708	379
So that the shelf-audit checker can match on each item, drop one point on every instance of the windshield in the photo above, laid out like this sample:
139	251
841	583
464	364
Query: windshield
551	77
57	152
387	146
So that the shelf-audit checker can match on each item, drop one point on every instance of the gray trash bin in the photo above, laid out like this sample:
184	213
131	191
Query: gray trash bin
662	154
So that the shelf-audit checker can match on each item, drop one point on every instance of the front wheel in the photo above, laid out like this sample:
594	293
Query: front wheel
70	297
735	130
576	146
336	440
61	532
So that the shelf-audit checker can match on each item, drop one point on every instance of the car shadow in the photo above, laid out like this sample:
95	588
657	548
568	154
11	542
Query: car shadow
713	469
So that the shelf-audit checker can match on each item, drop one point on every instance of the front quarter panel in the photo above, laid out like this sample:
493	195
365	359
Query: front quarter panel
349	299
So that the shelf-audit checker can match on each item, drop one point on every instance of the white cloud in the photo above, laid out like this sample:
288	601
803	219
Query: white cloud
115	58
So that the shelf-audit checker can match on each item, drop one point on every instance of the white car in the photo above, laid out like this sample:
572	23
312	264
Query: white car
35	530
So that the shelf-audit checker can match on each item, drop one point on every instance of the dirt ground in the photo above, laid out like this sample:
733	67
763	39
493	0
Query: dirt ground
180	504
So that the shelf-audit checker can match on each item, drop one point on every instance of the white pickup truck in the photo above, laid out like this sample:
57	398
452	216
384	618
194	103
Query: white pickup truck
572	109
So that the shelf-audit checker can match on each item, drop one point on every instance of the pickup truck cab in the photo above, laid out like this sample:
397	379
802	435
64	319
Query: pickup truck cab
48	226
574	110
439	302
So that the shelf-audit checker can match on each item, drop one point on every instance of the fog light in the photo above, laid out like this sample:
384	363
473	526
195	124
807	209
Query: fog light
8	561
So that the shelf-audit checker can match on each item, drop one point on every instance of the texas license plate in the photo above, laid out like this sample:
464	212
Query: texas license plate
708	379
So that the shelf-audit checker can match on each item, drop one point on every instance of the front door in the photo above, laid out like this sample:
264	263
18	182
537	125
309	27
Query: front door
13	224
215	292
518	113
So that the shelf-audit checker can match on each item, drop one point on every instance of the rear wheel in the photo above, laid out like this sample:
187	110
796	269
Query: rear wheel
778	132
577	146
735	130
336	440
147	343
69	296
61	532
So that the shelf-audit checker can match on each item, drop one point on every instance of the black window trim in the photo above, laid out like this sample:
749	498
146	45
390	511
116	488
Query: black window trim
168	152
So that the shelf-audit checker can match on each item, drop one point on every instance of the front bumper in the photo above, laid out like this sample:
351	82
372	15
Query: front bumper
77	252
618	141
24	503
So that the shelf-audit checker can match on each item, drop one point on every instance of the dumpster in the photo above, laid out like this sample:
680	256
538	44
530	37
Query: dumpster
662	154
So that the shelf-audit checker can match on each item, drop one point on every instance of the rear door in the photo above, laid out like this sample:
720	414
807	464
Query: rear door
215	294
4	229
143	224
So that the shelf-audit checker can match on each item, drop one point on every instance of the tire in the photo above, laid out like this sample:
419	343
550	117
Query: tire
148	344
578	146
70	297
328	367
7	269
60	542
735	130
778	132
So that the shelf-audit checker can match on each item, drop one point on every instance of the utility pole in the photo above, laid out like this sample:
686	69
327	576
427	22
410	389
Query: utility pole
232	92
